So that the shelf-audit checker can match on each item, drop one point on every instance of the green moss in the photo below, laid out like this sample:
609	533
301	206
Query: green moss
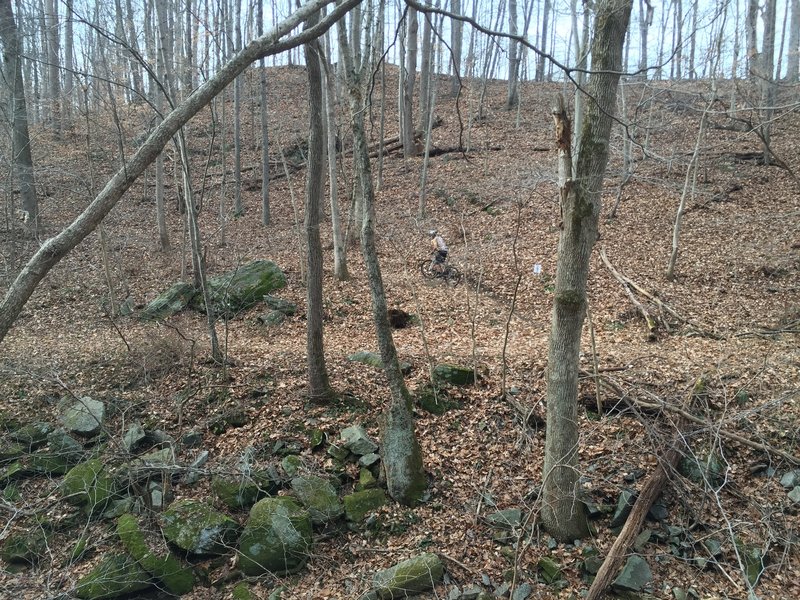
571	299
359	504
411	576
196	527
88	484
177	579
116	575
276	538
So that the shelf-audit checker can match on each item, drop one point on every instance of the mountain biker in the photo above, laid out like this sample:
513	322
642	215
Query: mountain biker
439	251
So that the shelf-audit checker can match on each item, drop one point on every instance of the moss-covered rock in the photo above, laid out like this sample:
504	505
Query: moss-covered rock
409	577
24	547
434	401
240	490
32	435
88	484
84	417
374	360
61	454
243	287
10	451
198	528
276	537
358	504
453	374
319	497
286	307
116	575
167	569
170	302
366	480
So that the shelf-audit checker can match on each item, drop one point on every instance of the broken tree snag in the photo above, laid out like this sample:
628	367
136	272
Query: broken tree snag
564	144
652	326
650	491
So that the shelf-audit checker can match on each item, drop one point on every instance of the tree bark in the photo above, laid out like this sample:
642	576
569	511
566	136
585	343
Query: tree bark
563	514
407	113
319	387
793	54
20	138
54	249
262	89
402	455
456	43
512	97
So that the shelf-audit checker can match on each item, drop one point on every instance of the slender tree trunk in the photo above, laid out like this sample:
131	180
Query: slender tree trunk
563	513
645	21
407	116
319	387
262	88
793	54
751	28
237	118
20	139
69	64
767	77
543	41
512	97
402	455
456	42
425	73
54	63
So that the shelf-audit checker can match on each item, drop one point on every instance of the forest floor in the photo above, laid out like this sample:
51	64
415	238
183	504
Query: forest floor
733	323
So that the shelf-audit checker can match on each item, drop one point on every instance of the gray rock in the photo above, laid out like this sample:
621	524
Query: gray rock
359	504
133	436
273	318
374	360
193	473
471	593
192	439
635	575
369	459
794	495
522	592
551	570
280	305
412	576
169	302
356	440
276	537
32	436
84	417
61	454
198	528
239	490
658	512
319	497
791	479
510	518
624	506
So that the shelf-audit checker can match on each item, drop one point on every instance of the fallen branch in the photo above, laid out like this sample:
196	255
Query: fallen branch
651	322
650	491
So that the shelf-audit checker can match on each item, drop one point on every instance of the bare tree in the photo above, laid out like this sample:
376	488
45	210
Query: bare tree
410	75
55	248
53	62
319	387
18	116
793	51
456	43
402	455
262	89
563	514
512	98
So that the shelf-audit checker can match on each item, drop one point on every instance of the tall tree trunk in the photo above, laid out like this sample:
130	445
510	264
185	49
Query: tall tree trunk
543	41
20	140
53	63
793	54
456	43
402	455
512	97
645	21
767	76
407	114
319	387
262	89
425	73
69	64
563	513
238	207
751	28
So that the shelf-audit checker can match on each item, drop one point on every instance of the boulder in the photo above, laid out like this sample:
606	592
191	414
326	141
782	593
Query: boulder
285	307
240	490
551	570
453	374
32	435
276	537
166	568
624	505
510	518
116	575
242	287
273	318
358	504
24	547
133	437
61	454
198	528
791	479
88	484
374	360
356	440
170	302
412	576
84	417
319	497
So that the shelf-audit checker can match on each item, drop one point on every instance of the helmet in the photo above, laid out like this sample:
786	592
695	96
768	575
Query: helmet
432	233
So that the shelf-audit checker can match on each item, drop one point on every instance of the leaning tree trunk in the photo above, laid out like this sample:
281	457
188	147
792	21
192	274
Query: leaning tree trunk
402	455
319	387
563	513
20	139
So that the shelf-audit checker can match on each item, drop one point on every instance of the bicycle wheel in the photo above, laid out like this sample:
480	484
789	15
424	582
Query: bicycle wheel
426	270
453	275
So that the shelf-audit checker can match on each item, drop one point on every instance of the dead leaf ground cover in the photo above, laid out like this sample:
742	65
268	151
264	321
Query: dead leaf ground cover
496	204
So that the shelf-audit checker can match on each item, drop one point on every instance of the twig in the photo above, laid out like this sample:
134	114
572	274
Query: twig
649	320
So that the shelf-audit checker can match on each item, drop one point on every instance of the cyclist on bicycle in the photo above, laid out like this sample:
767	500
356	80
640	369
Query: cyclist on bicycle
439	251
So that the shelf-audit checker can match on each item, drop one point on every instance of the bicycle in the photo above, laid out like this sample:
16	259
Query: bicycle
451	274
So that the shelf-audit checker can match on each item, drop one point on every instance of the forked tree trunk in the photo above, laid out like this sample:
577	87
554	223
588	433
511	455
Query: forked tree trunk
563	513
402	455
